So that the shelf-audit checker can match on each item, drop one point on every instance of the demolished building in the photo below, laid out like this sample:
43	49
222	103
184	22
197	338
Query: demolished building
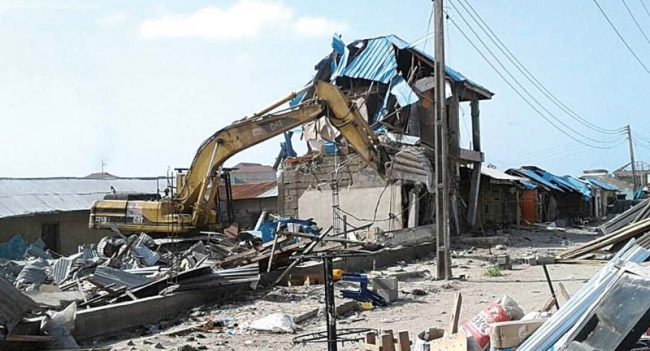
391	84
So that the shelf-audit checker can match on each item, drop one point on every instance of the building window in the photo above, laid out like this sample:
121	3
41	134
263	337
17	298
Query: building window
50	235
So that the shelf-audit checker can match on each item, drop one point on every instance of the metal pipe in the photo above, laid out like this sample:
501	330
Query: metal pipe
330	308
550	286
281	102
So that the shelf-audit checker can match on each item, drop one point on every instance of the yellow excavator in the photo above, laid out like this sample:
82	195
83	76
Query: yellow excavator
192	208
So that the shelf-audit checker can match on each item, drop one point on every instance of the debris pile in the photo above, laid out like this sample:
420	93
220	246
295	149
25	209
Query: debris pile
125	282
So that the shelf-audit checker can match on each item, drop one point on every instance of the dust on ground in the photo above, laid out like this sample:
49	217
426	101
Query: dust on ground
423	303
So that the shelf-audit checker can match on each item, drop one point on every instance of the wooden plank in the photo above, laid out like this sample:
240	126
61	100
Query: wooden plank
275	242
622	234
371	338
548	305
455	315
307	250
387	342
29	338
562	291
404	341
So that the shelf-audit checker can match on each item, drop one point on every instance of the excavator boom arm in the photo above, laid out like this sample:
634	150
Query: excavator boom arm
200	184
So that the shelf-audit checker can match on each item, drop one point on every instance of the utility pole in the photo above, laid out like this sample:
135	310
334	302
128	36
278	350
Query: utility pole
440	140
632	162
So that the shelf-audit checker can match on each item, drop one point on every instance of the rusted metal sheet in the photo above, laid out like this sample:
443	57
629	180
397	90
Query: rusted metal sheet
253	191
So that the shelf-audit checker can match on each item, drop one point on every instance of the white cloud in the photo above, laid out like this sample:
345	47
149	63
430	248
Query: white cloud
315	27
113	19
244	19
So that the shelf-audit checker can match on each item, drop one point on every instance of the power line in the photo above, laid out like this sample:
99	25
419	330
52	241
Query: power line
639	136
629	48
563	131
429	25
645	8
526	73
524	88
635	21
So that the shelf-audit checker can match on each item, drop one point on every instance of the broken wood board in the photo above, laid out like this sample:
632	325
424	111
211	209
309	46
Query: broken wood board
504	335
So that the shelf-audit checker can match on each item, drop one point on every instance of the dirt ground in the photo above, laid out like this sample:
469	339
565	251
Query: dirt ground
412	313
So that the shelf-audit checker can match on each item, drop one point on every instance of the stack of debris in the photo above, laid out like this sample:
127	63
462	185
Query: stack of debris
610	312
633	215
611	242
125	282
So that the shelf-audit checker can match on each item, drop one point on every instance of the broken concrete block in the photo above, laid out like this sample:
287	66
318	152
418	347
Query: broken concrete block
503	262
539	260
545	259
530	260
386	288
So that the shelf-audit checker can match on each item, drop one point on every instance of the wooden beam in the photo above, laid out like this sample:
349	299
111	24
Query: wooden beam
470	155
455	315
475	184
404	341
387	342
562	291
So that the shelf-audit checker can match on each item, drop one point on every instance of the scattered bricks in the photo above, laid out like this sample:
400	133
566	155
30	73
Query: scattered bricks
386	288
503	262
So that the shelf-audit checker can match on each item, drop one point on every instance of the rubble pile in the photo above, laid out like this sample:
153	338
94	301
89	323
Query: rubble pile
124	274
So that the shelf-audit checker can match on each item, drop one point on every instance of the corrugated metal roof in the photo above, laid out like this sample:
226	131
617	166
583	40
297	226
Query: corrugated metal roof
536	178
498	175
377	61
581	187
602	185
41	195
254	191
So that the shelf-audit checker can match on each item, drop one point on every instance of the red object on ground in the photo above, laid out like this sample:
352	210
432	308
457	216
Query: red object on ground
478	326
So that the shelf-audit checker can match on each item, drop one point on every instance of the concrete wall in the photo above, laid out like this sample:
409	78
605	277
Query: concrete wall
295	179
248	211
360	202
73	229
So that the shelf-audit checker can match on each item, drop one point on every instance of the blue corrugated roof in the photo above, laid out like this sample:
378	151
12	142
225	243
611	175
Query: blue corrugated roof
527	185
581	187
377	61
537	178
602	185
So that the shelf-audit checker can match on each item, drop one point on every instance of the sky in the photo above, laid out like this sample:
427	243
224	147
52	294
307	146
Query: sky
138	85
